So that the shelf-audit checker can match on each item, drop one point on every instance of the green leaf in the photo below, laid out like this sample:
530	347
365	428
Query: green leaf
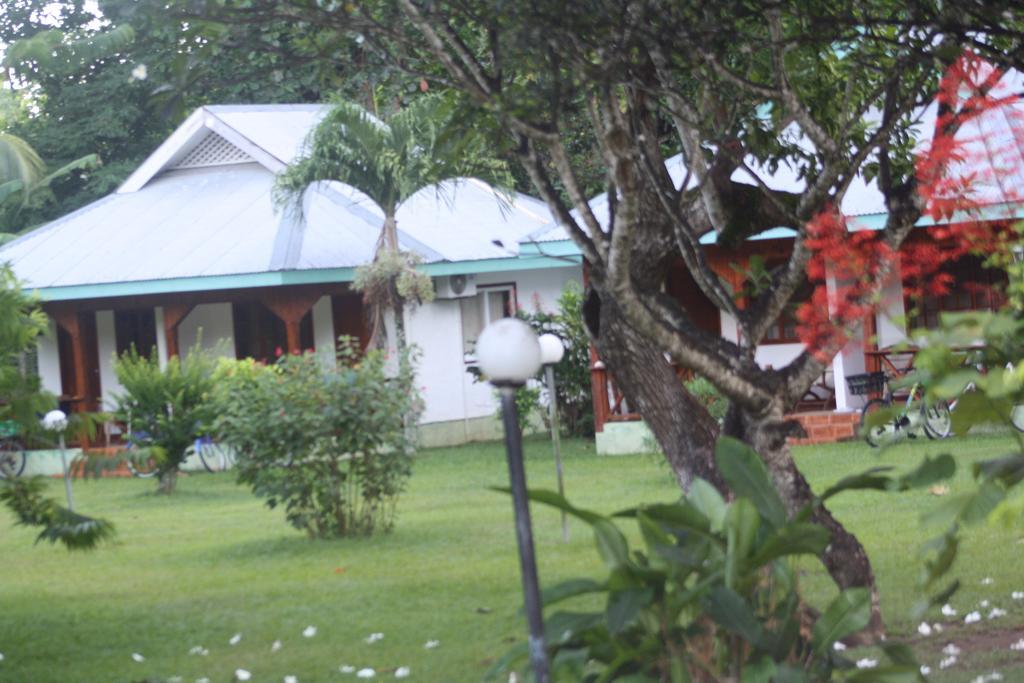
793	539
761	670
848	613
930	471
570	589
741	524
611	544
871	479
733	614
625	605
748	477
683	515
972	408
790	674
556	500
709	502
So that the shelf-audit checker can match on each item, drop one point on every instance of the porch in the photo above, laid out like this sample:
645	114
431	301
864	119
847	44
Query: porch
76	359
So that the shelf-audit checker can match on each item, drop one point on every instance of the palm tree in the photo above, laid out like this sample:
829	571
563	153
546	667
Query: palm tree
390	160
22	174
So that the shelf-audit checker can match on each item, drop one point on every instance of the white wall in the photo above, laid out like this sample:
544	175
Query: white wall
436	328
323	330
49	359
106	344
213	325
891	318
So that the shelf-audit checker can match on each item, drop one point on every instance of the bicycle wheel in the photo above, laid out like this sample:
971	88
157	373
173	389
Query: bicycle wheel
12	458
937	420
877	428
139	462
216	457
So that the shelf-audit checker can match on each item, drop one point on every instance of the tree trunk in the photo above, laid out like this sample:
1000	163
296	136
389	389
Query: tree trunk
845	558
168	482
650	384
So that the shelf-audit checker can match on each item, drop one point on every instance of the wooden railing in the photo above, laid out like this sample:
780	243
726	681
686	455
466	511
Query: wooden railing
610	405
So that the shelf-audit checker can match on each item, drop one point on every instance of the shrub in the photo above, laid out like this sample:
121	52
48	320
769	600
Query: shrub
333	445
714	595
166	409
572	374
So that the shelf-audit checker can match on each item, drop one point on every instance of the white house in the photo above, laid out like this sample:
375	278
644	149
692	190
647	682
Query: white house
191	250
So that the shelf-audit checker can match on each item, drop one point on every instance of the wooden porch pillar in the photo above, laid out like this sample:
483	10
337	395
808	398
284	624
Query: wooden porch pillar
290	308
173	315
69	322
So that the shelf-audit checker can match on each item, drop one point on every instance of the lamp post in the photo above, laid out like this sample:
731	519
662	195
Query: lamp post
509	354
551	352
57	421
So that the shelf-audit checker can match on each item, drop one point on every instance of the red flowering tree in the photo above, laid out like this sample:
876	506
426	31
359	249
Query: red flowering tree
824	92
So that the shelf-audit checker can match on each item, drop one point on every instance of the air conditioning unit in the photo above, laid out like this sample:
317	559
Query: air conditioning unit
455	286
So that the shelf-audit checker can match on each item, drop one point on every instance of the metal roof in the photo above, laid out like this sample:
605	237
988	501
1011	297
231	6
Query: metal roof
201	206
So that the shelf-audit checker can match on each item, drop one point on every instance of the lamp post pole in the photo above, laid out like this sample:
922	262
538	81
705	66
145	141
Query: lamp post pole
57	421
508	353
524	531
551	351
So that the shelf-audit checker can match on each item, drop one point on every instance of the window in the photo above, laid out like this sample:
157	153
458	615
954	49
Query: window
784	329
490	303
259	333
974	288
135	328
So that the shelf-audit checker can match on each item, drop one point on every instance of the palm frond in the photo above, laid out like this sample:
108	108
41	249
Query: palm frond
18	161
24	496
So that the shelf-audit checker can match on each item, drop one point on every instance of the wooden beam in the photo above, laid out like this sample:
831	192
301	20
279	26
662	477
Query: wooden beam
69	322
290	307
173	315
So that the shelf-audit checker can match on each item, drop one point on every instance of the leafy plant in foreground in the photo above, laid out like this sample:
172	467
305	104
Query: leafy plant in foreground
713	596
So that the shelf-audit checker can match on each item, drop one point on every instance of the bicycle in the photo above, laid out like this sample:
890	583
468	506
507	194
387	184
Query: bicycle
215	457
933	418
12	450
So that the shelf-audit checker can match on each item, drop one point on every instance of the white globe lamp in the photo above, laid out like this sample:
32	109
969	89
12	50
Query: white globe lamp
55	421
508	352
551	349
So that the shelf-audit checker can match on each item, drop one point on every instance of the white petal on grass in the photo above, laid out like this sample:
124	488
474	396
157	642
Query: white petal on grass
937	627
983	603
925	670
948	611
347	669
1	656
402	672
137	657
1018	646
951	650
996	613
309	631
174	679
242	675
140	73
867	663
972	617
838	647
987	581
199	650
1017	595
373	638
235	639
924	629
291	679
431	644
366	673
947	662
202	680
275	646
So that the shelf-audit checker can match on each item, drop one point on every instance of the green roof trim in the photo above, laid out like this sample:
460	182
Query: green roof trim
288	277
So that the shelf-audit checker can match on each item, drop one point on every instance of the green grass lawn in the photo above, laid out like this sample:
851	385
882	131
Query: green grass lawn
213	561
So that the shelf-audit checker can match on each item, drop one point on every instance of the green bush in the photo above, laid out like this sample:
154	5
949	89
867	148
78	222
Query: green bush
572	374
713	596
165	408
333	445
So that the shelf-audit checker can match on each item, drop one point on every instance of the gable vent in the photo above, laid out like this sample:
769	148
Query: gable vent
213	150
